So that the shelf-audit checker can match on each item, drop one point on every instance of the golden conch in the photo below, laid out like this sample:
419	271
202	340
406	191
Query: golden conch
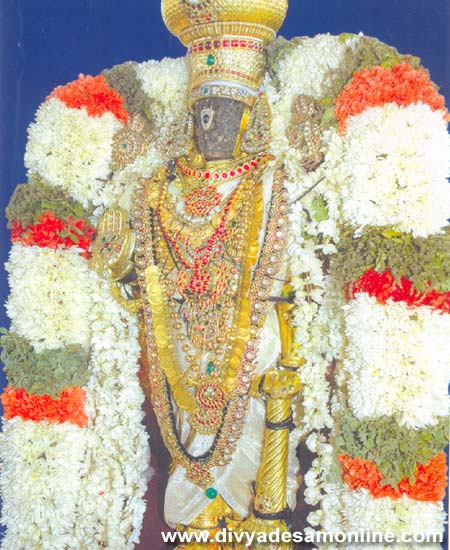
191	20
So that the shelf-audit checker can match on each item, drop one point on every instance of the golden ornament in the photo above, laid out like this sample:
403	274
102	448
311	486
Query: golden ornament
226	41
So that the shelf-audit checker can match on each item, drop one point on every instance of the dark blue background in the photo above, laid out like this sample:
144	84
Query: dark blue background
46	43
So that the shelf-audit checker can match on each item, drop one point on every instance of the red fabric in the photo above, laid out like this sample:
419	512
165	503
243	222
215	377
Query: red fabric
153	522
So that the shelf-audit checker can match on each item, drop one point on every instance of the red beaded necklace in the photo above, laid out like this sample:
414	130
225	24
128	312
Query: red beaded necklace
239	169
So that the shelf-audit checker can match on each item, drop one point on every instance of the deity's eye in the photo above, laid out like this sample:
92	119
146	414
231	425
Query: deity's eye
206	118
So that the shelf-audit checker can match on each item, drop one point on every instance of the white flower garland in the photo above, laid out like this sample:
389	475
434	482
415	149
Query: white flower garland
347	511
397	361
71	149
123	182
111	501
40	483
56	300
353	511
306	270
317	316
303	71
165	83
321	488
50	296
394	169
402	515
423	210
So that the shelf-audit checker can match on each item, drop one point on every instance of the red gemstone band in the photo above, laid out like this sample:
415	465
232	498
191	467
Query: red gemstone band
219	175
226	43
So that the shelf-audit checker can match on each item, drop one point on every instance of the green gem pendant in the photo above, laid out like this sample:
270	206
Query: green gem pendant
211	493
210	368
211	59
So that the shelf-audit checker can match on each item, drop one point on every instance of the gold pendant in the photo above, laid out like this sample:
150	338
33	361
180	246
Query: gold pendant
210	401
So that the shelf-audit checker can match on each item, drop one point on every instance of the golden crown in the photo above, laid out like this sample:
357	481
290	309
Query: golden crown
194	19
226	41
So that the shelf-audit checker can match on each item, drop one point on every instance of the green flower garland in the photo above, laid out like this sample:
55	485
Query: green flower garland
47	372
425	261
395	449
123	79
30	200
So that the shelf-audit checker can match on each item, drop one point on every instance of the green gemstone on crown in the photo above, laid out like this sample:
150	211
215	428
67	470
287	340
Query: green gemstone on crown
210	368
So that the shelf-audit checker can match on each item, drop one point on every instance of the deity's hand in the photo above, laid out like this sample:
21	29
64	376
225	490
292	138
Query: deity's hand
277	384
113	248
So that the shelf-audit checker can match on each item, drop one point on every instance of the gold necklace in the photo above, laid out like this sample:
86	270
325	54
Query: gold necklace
209	279
164	376
219	171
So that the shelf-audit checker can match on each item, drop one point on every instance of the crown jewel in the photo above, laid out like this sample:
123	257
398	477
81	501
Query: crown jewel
225	40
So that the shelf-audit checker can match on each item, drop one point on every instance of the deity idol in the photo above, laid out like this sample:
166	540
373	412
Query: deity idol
263	224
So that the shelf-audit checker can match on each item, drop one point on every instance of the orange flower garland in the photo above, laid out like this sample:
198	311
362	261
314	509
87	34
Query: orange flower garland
94	94
429	484
69	407
374	87
383	287
52	232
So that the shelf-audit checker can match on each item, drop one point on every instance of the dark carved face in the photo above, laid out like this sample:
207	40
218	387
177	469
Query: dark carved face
216	126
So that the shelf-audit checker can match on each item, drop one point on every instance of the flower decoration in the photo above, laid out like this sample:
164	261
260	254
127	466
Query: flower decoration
93	94
429	484
396	450
393	169
383	287
48	372
69	407
51	296
360	509
33	199
72	150
424	261
165	85
44	462
52	232
374	87
396	360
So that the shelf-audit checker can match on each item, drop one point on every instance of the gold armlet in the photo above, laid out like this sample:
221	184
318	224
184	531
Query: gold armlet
122	265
